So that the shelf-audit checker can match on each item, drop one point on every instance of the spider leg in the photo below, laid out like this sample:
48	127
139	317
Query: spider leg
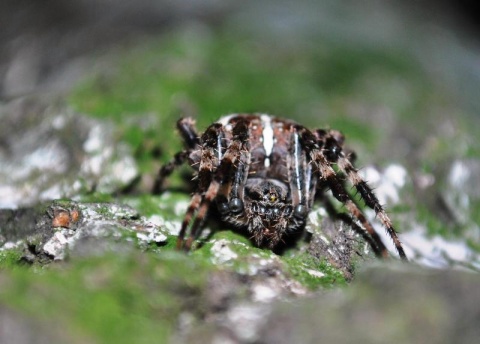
238	181
316	145
167	169
296	160
348	220
334	153
340	193
208	164
302	187
370	200
186	127
230	161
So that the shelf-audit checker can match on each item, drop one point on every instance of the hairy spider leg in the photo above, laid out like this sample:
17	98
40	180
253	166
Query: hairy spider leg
316	146
237	188
349	221
340	193
208	163
231	193
333	142
296	162
230	160
232	188
186	127
166	170
302	187
371	201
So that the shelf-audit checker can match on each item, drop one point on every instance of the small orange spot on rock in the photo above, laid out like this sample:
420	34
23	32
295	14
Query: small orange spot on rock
61	219
74	214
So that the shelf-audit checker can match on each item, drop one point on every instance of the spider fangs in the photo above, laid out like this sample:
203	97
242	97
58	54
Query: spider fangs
263	172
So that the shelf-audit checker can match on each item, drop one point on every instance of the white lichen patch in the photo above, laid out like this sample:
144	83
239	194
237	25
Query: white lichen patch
315	218
315	273
257	263
274	285
50	158
459	174
246	320
262	292
431	251
462	191
58	244
11	245
169	226
437	252
109	164
152	236
222	252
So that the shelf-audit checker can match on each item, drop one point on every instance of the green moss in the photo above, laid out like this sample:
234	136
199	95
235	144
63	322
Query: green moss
304	268
238	243
104	210
301	266
114	298
167	205
10	258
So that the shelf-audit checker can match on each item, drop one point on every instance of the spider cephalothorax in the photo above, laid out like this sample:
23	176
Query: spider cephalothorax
263	172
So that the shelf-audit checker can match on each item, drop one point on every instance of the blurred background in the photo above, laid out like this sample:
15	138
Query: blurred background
43	44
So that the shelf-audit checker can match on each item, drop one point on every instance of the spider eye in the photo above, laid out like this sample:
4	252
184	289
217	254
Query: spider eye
288	210
236	205
300	211
223	207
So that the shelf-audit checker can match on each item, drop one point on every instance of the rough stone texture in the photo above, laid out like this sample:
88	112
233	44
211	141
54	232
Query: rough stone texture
336	241
432	307
379	307
21	329
49	152
54	230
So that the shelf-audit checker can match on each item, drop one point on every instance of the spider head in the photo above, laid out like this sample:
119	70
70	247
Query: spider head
268	209
265	209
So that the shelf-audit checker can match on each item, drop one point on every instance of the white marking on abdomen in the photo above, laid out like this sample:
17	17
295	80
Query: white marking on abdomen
225	121
268	139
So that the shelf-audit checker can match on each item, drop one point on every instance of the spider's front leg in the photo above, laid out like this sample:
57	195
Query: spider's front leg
302	186
207	164
336	155
211	185
322	150
186	127
371	201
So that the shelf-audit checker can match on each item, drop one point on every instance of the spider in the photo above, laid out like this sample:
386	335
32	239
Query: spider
262	173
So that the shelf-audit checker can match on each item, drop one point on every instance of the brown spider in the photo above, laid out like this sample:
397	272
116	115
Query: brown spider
263	172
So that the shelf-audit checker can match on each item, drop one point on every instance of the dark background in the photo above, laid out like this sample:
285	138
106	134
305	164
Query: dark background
40	41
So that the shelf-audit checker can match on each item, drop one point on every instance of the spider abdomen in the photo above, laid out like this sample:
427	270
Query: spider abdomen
269	140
